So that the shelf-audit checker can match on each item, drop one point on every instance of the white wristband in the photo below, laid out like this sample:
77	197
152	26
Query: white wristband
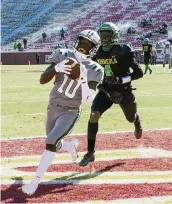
126	79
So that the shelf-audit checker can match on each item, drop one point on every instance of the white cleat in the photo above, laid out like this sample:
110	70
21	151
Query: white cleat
30	188
73	149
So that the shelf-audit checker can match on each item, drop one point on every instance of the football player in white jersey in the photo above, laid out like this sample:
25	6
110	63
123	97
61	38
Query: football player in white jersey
167	56
66	97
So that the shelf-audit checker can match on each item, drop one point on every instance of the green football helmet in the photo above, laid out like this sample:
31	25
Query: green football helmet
109	35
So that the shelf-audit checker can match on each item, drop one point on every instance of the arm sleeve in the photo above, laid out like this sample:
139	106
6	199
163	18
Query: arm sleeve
137	71
96	73
55	57
87	93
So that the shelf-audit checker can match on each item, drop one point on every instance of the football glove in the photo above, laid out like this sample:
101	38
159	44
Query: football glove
62	67
113	95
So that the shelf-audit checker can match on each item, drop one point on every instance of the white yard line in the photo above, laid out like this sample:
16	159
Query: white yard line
43	113
46	100
78	134
93	181
131	153
144	200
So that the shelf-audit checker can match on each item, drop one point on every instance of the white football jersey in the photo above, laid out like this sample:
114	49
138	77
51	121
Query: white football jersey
67	92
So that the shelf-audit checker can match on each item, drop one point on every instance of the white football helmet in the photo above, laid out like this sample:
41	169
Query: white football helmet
92	36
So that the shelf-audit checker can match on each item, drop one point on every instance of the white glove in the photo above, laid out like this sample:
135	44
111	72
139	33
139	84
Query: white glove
83	74
62	67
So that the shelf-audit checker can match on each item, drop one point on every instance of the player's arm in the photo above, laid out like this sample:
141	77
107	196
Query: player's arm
89	88
88	93
137	71
48	74
56	66
131	62
151	50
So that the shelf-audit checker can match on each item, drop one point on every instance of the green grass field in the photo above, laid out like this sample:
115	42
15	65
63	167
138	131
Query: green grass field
24	102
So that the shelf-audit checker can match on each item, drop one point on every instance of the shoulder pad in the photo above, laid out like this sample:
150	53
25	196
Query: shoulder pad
128	48
123	48
63	51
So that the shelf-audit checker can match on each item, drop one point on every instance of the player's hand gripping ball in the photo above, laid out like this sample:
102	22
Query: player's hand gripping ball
75	72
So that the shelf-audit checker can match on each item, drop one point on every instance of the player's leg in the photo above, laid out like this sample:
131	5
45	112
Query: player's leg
146	64
47	156
169	63
100	104
164	62
63	121
170	67
129	107
63	126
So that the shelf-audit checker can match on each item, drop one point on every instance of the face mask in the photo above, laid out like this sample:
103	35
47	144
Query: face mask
106	37
84	46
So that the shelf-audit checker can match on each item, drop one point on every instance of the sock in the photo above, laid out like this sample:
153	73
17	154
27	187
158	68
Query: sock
45	162
146	68
65	145
92	131
149	68
137	119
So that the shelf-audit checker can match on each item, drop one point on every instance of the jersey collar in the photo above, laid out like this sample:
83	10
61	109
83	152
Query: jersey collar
81	57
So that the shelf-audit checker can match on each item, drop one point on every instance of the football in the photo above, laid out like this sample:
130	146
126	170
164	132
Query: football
75	73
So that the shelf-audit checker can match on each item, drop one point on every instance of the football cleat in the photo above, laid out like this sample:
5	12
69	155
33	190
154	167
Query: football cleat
72	149
88	157
30	188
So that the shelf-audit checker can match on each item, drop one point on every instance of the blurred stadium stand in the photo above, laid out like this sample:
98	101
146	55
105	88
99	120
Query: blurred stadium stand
29	19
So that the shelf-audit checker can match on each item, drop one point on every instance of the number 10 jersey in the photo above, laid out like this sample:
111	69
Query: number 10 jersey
67	92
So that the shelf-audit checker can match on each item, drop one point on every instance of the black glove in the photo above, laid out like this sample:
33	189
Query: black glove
116	97
113	95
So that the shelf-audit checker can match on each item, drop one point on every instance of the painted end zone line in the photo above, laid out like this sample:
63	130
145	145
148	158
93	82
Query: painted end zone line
84	134
145	200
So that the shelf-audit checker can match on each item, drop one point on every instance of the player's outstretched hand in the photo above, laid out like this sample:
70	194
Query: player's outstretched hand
62	67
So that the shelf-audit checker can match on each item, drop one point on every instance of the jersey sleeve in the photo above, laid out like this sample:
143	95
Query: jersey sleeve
129	54
150	46
131	62
58	55
96	73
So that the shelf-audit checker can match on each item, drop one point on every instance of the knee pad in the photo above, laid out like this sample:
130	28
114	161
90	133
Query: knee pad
54	147
94	117
51	147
